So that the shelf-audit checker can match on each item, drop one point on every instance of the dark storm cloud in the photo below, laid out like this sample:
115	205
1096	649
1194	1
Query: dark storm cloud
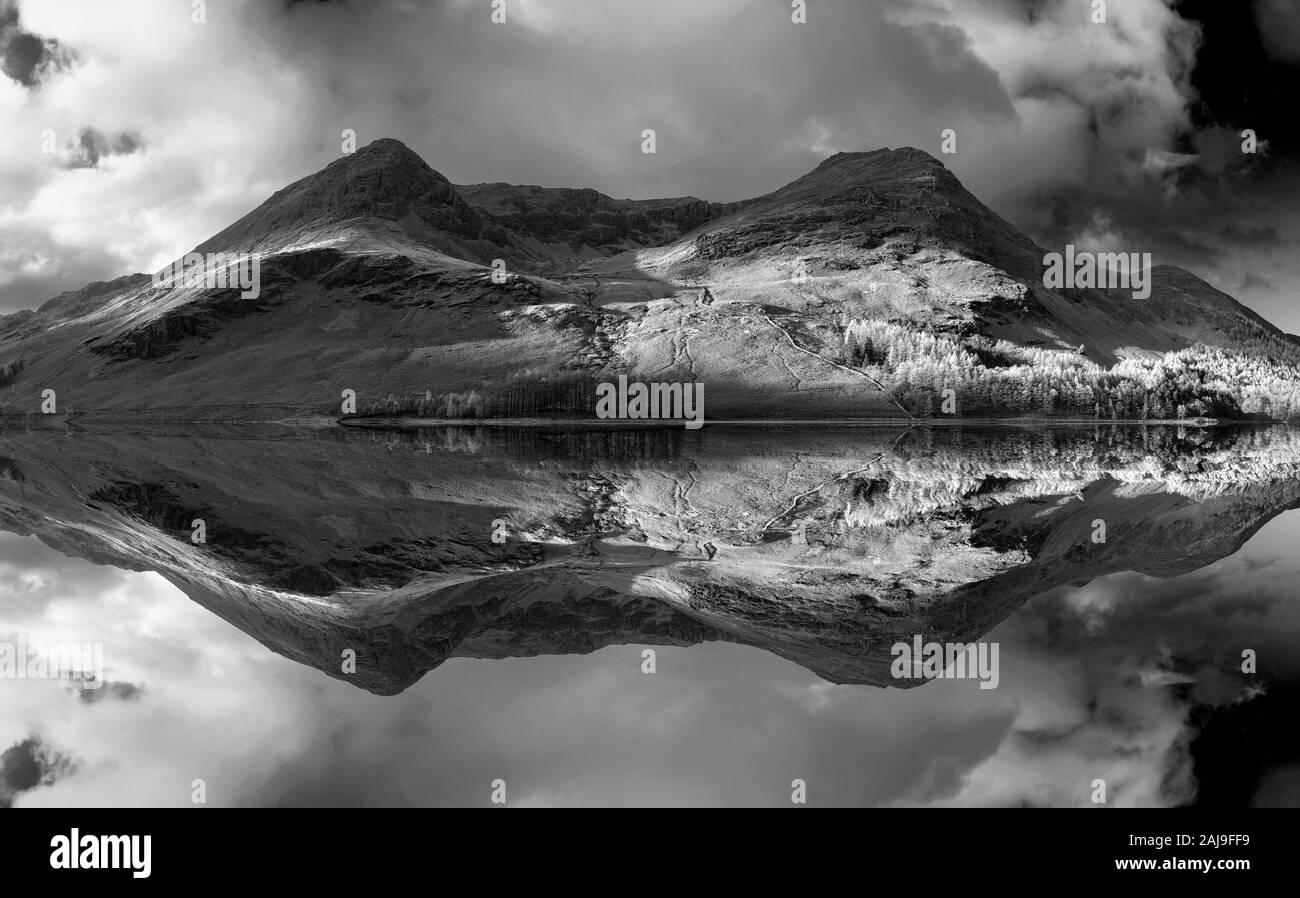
1218	152
25	57
1279	24
1172	648
1204	616
1246	68
1138	127
113	691
1255	281
1261	236
92	146
1172	242
20	771
741	99
29	765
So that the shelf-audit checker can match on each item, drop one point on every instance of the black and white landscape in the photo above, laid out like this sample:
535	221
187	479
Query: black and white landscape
920	432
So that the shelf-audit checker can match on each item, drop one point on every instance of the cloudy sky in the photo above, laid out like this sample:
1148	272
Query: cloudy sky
1123	134
1109	681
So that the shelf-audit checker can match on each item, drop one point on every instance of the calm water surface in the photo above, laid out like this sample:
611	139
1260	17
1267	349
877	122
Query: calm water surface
770	570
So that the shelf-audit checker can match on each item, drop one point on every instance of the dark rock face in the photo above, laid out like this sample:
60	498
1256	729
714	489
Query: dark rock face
164	334
585	218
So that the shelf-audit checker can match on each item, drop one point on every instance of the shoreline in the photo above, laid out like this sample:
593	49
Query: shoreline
388	422
302	421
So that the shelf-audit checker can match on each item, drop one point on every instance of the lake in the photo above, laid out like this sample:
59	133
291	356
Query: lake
738	615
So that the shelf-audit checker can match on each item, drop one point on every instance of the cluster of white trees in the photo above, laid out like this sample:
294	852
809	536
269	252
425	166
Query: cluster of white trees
998	377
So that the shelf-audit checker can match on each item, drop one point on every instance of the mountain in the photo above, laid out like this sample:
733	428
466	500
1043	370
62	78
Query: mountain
874	286
380	197
899	223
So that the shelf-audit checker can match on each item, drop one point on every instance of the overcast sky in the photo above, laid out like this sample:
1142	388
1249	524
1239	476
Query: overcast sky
1123	134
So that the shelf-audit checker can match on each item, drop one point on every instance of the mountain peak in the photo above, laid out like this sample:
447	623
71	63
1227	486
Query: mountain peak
388	145
880	169
383	186
883	155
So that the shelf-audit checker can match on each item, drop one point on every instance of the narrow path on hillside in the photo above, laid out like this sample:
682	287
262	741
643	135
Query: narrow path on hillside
789	339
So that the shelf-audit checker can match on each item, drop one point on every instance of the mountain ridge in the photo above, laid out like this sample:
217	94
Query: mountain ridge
864	287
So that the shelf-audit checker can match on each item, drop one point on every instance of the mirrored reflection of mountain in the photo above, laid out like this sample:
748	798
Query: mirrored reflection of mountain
824	546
